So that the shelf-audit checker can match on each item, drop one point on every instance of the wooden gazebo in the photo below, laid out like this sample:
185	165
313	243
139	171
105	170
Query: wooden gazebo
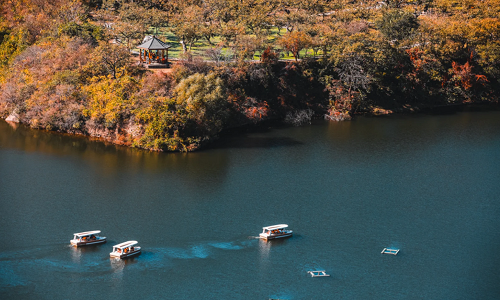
153	51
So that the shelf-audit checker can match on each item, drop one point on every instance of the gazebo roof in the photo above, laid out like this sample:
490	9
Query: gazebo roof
154	44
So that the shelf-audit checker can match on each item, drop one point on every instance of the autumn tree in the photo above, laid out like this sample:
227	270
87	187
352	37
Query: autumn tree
246	46
109	100
294	42
186	25
130	25
156	18
111	57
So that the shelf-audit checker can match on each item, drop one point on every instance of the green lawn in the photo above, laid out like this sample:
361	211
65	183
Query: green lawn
202	45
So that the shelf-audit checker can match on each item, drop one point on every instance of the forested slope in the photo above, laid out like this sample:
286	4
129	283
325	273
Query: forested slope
67	65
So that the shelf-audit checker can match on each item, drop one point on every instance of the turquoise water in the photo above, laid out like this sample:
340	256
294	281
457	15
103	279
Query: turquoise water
428	185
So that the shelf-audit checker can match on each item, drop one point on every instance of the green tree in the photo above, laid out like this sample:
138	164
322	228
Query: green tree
397	25
204	99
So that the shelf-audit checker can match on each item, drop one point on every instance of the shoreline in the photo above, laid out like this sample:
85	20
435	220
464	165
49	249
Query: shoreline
272	123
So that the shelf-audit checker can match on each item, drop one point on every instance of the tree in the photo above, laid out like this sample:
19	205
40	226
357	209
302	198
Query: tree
217	55
131	23
397	25
112	57
346	94
204	99
156	18
247	45
294	42
352	73
186	25
109	100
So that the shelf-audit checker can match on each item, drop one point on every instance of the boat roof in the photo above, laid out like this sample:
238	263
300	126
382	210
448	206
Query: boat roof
126	244
87	233
280	226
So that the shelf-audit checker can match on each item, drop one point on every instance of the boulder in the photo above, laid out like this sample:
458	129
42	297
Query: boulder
14	117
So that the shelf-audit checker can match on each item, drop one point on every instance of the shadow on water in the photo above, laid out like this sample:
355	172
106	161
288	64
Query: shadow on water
254	142
110	159
458	108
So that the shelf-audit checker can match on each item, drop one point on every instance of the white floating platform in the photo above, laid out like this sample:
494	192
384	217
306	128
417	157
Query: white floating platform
390	251
318	274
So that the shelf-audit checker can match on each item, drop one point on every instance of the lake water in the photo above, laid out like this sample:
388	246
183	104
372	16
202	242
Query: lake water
428	185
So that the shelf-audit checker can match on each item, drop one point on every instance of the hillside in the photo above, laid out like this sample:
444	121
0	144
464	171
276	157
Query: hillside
71	66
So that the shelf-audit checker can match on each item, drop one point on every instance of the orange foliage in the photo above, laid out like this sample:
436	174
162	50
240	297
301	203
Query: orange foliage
269	56
258	111
415	55
340	101
463	75
295	41
252	109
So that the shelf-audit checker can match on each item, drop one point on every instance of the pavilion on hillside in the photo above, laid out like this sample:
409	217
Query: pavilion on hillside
153	51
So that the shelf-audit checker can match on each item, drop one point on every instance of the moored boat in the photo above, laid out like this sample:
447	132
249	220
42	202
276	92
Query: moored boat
87	238
125	250
275	232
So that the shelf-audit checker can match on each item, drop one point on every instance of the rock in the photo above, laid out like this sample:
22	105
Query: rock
14	117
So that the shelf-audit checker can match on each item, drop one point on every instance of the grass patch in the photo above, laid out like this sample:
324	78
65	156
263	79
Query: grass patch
199	47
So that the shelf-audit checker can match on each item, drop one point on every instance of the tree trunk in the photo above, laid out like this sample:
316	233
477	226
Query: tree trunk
184	47
208	40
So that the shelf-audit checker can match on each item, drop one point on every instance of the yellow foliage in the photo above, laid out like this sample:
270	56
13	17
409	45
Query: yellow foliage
109	99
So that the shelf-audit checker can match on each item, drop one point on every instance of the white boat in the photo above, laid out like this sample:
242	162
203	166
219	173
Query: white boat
275	232
320	273
87	238
392	251
125	250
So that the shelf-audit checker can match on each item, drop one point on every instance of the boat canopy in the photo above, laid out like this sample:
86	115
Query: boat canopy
87	233
126	244
274	227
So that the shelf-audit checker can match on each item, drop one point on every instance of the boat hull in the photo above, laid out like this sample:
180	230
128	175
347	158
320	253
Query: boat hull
79	244
124	255
275	236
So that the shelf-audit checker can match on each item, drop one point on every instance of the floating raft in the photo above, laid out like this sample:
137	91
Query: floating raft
390	251
318	273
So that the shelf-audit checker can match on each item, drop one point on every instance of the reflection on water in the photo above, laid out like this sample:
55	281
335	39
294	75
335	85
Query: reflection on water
118	267
118	264
78	252
264	252
199	171
265	249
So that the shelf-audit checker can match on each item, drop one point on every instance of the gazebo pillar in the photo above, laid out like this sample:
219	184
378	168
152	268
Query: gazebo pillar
154	51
